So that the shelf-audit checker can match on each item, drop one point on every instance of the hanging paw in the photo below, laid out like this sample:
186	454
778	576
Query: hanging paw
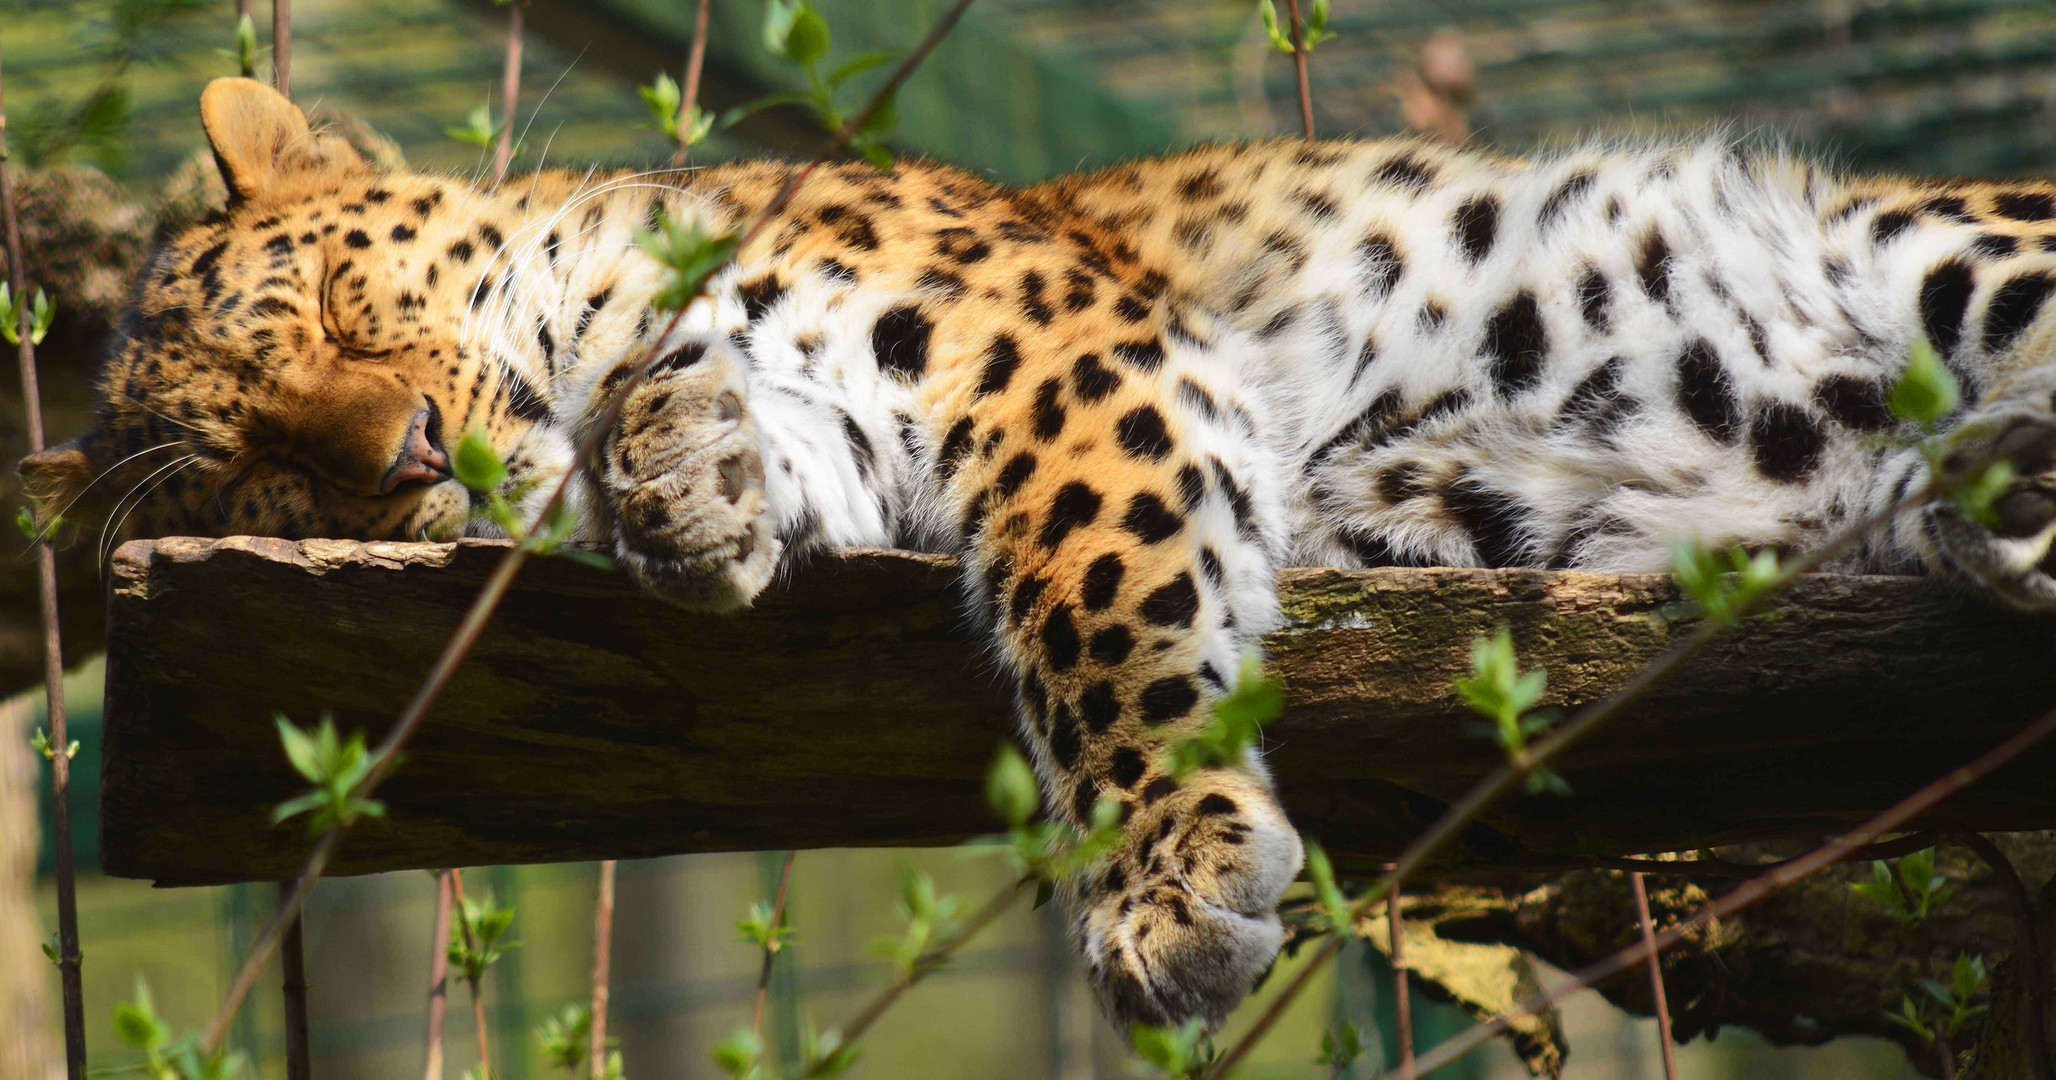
1182	922
681	481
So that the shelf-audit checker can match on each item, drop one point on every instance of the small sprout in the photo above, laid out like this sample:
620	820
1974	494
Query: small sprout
1926	391
41	742
478	130
1974	496
737	1055
690	254
566	1038
1238	719
40	314
1010	787
1334	906
1967	979
1340	1047
477	465
612	1068
1909	1017
1703	575
335	767
794	30
825	1054
1912	892
758	929
664	98
475	943
1176	1052
1314	29
929	918
245	53
137	1024
1501	692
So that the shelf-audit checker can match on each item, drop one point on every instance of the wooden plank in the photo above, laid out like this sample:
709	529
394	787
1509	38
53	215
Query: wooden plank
848	708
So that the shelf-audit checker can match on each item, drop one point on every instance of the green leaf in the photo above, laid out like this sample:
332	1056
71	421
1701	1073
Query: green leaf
246	46
301	749
1010	787
807	41
663	97
857	65
477	466
1045	891
1974	498
478	130
749	108
1926	391
313	800
1333	905
1267	13
737	1054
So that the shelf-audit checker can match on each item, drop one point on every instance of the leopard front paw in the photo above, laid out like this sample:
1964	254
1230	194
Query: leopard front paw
2011	555
682	483
1183	922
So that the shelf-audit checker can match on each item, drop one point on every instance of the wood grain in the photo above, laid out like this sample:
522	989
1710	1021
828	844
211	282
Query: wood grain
850	708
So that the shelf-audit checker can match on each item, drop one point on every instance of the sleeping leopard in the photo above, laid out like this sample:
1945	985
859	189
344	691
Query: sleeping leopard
1122	399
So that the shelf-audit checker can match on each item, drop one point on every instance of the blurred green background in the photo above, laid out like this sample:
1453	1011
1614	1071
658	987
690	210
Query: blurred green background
1022	91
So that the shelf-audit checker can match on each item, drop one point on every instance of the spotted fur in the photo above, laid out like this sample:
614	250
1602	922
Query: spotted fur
1124	399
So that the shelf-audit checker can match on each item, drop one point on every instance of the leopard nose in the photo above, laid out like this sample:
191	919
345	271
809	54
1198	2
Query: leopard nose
420	459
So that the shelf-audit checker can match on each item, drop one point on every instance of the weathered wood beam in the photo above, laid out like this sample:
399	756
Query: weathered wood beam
848	708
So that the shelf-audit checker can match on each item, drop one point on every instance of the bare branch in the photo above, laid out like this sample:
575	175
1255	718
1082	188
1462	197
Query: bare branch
695	62
510	93
1662	1006
603	960
53	651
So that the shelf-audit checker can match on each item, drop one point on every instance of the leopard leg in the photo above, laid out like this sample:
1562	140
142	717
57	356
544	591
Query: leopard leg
1125	588
678	488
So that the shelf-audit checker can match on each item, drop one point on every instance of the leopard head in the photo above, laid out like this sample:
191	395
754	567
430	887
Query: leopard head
300	363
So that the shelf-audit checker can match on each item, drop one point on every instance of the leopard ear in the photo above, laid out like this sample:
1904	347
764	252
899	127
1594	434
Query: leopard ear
56	478
260	138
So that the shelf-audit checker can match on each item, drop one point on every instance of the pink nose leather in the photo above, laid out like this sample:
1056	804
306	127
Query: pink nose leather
420	459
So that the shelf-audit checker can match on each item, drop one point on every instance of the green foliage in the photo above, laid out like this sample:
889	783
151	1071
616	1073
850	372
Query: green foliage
1910	893
1926	391
40	311
1501	692
478	129
164	1058
690	255
335	767
1334	906
478	467
1314	29
760	929
475	939
738	1054
1238	719
246	51
1948	1006
824	1054
795	32
1048	850
1725	586
567	1037
1181	1051
1974	496
41	741
929	920
1340	1047
664	98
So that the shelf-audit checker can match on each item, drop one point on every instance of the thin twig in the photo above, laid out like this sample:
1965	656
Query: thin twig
53	651
510	93
1306	96
603	962
438	975
1758	888
485	1055
928	963
771	947
472	625
695	62
293	972
1561	738
282	46
1656	995
1402	997
1711	867
2026	947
